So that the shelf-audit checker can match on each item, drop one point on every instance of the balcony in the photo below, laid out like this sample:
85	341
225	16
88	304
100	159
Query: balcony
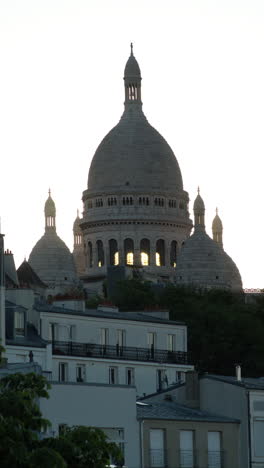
157	458
125	353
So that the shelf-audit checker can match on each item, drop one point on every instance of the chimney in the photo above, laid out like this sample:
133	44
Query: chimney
192	389
238	373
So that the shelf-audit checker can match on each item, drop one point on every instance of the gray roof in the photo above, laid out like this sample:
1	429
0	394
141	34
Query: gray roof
177	412
250	383
132	316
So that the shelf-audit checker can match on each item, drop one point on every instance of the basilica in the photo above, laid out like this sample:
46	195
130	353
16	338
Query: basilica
135	215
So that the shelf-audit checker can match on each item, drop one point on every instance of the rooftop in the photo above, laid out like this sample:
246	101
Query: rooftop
171	410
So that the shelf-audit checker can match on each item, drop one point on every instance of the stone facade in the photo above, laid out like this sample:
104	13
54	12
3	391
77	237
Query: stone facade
135	211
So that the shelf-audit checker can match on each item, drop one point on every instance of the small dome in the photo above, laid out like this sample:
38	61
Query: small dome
132	67
203	263
52	261
198	203
217	223
50	208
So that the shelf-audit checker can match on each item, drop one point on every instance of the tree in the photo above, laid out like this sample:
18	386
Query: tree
20	417
21	422
85	447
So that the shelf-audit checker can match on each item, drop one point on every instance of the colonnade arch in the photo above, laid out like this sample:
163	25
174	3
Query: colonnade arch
156	253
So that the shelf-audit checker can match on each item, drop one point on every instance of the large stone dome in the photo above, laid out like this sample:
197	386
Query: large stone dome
135	156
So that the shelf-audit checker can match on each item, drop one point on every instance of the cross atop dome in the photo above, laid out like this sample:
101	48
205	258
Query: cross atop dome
132	79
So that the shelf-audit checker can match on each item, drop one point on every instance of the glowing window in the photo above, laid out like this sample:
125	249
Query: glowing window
158	259
116	258
144	259
129	258
99	263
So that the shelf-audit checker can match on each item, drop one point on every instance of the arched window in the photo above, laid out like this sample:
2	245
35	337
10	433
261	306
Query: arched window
113	252
129	251
90	254
144	252
173	253
160	252
100	253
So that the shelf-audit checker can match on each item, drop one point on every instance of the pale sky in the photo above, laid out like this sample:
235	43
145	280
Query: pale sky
61	91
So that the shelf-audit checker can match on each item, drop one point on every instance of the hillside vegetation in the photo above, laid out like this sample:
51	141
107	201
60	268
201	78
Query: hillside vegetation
222	330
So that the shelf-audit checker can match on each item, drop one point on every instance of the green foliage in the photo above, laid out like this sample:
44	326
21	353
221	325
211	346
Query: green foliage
21	421
85	447
134	294
46	457
222	329
20	417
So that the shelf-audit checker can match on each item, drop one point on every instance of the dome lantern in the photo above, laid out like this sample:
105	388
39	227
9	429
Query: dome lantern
50	214
132	79
217	229
199	210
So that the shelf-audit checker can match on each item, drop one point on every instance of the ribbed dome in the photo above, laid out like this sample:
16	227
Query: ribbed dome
52	261
132	67
203	263
134	155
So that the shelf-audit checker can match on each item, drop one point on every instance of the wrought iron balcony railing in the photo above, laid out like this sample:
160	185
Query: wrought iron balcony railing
157	458
126	353
215	459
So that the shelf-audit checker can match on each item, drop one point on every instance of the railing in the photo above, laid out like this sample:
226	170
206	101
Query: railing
157	458
215	459
127	353
187	458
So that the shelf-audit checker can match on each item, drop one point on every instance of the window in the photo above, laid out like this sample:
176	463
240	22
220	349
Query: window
258	431
129	251
214	449
104	336
162	380
160	252
179	376
63	371
151	343
113	252
186	449
157	453
120	342
72	332
130	376
171	343
173	253
100	253
80	373
116	435
53	329
144	252
19	323
113	375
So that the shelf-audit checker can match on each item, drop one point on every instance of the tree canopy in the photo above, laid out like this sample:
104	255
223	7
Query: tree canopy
223	330
21	423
